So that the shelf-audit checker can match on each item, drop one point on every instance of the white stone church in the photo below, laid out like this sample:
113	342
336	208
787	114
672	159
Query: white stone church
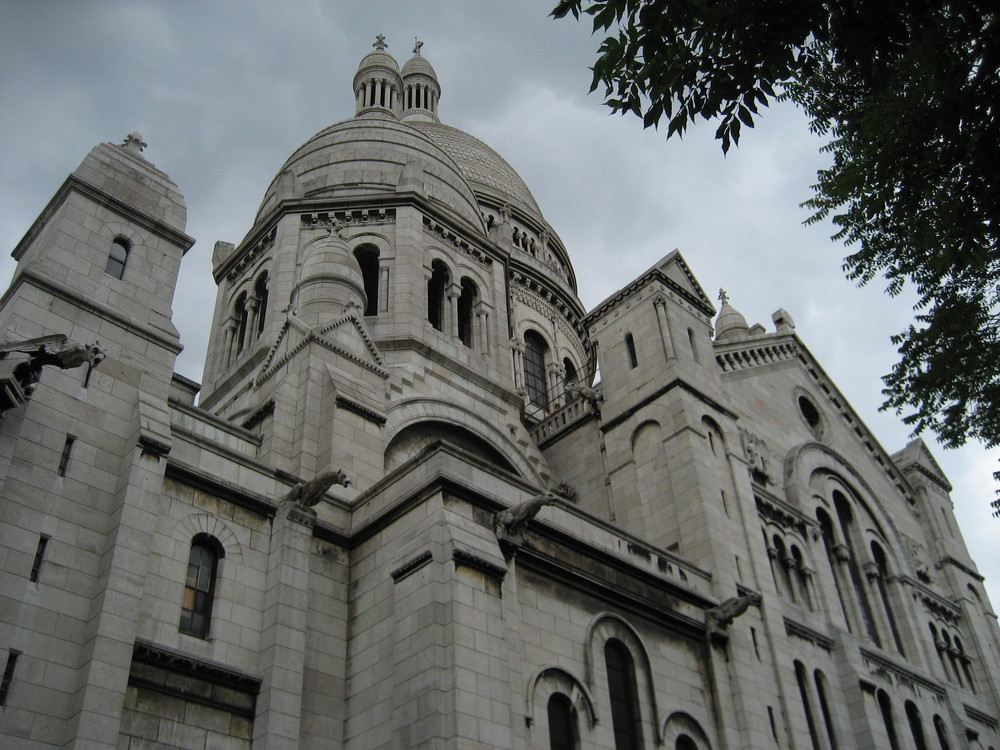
399	512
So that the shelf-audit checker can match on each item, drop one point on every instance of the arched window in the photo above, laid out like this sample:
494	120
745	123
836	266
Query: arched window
801	577
562	723
436	286
117	257
367	257
802	679
847	527
535	350
942	733
829	540
784	565
824	706
916	726
685	743
621	687
950	651
241	315
964	661
260	297
883	574
885	708
570	369
467	312
633	359
199	586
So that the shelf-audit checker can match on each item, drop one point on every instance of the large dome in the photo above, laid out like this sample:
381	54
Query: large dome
396	128
367	156
488	172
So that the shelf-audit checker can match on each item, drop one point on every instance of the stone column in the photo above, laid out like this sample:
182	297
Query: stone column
450	322
482	332
286	603
663	322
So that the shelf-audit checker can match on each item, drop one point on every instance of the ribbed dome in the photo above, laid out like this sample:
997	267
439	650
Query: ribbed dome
367	157
481	166
418	65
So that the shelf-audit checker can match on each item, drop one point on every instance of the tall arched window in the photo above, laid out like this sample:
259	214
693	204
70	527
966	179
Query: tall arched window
562	723
940	648
467	312
883	574
241	316
633	359
829	541
916	726
367	257
824	706
801	577
535	350
436	286
942	733
802	679
622	689
199	585
117	256
885	708
260	301
785	565
846	518
965	662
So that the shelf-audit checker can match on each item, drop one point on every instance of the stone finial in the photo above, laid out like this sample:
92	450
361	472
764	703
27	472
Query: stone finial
723	297
380	43
783	322
417	44
134	142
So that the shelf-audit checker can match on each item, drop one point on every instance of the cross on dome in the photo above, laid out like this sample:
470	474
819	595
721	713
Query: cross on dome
723	297
379	43
417	44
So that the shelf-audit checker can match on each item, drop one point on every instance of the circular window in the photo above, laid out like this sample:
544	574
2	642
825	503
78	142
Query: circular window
811	415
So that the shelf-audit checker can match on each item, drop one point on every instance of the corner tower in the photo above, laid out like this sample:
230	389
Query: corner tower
399	286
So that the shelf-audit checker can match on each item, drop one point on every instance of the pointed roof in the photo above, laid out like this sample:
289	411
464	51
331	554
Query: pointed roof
673	272
916	456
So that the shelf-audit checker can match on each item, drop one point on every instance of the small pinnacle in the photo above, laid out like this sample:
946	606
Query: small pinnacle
380	42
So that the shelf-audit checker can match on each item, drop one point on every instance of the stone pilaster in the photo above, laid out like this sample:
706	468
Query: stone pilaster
282	659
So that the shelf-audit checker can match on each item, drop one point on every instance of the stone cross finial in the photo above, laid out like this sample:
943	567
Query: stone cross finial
417	44
723	297
134	141
380	42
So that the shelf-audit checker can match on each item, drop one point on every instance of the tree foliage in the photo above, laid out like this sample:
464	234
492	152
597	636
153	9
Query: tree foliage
907	95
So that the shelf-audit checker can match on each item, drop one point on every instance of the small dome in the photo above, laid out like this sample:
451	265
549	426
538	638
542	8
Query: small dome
418	65
330	281
378	57
730	325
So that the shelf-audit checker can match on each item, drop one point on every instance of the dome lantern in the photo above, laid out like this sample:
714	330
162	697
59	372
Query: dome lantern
421	89
377	84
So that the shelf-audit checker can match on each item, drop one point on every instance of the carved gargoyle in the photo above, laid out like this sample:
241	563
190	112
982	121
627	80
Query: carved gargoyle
19	380
308	494
593	396
514	519
717	620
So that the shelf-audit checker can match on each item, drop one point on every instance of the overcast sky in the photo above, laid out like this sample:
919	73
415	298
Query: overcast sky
223	92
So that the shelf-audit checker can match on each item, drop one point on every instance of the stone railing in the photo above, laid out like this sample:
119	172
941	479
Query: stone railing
755	356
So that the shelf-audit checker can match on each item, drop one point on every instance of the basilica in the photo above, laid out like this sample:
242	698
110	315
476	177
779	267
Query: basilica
424	499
